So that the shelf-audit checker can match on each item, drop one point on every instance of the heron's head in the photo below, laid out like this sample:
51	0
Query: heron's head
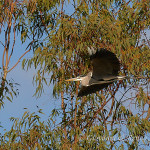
83	79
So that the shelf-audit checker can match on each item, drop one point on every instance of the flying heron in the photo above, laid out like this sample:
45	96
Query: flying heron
106	67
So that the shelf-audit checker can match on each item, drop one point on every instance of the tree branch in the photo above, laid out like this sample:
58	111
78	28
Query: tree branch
110	112
19	59
13	42
102	106
4	49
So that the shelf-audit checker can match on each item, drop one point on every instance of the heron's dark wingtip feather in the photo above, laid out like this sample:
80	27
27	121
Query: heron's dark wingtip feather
101	53
110	56
85	90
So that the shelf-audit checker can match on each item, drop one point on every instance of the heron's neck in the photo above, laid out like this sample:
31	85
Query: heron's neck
85	80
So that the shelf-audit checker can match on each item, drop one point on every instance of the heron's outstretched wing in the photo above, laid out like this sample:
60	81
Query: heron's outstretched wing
85	90
105	63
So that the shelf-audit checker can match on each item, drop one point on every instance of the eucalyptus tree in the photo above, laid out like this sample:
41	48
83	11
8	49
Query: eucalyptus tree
116	117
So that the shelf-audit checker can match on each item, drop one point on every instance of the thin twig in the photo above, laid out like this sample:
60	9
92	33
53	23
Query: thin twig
118	104
112	104
19	60
2	43
125	93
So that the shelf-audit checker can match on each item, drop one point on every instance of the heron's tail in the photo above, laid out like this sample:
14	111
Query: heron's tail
121	77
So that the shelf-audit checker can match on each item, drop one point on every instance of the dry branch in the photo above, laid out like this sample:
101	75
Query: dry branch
19	60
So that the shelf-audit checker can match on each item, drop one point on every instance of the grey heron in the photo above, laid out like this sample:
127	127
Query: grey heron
106	67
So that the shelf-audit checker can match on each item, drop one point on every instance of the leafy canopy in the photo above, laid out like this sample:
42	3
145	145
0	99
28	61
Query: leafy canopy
114	118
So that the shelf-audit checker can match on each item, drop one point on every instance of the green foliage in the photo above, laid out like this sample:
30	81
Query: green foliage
8	92
109	119
101	24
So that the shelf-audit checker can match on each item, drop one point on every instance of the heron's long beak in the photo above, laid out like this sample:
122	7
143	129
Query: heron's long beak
74	79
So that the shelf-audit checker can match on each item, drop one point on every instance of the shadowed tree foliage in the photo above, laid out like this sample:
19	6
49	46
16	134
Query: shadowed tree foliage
59	33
